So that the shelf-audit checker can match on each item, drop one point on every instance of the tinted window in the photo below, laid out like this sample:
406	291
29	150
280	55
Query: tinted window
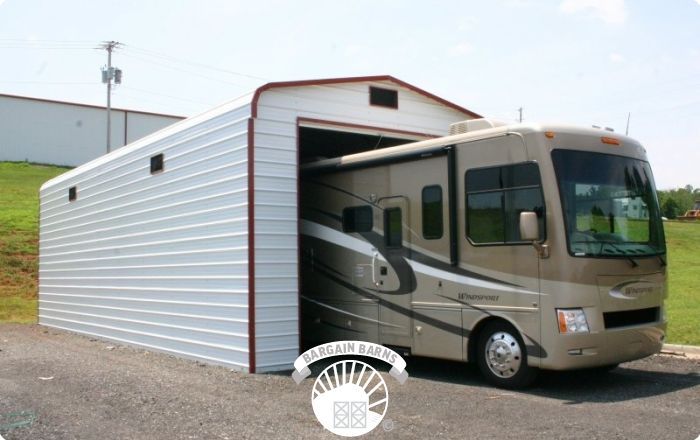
496	197
392	227
432	212
484	179
486	217
610	204
357	219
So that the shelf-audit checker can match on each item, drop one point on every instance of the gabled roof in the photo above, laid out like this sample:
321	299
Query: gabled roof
317	82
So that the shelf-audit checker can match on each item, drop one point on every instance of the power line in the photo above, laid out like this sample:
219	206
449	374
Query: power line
178	69
50	82
166	95
16	43
30	40
193	63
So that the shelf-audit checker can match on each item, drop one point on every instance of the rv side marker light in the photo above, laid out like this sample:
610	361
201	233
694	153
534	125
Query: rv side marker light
610	141
549	134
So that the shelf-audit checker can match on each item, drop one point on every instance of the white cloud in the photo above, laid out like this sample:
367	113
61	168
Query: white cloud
1	2
460	49
616	57
610	11
697	1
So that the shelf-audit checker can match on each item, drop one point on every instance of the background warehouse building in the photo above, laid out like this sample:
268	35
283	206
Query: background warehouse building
64	133
186	241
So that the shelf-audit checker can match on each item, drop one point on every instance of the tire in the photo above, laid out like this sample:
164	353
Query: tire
502	356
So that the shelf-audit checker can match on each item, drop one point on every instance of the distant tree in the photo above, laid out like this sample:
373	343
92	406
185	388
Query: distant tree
669	208
678	200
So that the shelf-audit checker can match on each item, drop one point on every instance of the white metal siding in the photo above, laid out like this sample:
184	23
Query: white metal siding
67	134
276	265
162	261
159	261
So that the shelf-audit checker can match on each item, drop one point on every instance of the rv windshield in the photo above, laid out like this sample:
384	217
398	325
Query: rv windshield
610	205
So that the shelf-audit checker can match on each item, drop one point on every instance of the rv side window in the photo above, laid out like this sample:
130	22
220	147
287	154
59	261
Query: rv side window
392	227
495	198
432	212
357	219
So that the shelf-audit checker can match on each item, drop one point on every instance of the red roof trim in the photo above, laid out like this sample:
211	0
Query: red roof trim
77	104
318	82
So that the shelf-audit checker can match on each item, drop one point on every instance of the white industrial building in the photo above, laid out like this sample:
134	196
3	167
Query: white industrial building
64	133
186	241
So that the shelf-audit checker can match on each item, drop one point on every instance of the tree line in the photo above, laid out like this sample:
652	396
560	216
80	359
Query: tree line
676	202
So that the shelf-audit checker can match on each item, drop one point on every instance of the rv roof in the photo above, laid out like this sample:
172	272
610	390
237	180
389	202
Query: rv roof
431	144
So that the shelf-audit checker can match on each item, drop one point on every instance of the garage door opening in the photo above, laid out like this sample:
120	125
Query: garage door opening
321	143
317	143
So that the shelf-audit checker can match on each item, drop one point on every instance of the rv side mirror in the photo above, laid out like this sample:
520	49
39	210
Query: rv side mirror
529	227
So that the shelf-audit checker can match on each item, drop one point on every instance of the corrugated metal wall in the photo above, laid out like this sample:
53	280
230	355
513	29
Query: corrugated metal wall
155	260
161	261
276	265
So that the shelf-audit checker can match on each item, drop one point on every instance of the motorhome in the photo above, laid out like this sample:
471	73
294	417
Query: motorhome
503	245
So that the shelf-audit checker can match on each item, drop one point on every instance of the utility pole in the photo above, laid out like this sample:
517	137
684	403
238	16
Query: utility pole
627	130
520	111
108	74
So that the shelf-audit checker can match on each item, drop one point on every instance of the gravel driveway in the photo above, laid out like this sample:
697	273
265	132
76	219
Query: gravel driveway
57	385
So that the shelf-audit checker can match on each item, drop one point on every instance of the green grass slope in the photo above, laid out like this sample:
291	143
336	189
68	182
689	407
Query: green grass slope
19	207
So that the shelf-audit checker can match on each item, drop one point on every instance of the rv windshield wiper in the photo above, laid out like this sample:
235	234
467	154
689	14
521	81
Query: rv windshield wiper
619	249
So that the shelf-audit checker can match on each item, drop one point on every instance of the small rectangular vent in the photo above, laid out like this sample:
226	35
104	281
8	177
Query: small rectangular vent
630	317
157	163
383	97
72	193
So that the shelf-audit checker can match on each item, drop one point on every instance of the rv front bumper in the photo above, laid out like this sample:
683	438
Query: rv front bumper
602	348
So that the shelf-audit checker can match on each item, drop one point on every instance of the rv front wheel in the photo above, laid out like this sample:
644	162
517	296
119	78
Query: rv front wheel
502	356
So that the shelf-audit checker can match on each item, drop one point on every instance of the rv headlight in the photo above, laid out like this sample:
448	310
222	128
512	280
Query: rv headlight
572	321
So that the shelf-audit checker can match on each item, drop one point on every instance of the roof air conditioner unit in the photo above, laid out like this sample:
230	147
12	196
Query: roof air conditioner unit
474	125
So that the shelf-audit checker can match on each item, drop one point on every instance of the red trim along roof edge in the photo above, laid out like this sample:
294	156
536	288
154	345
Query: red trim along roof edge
318	82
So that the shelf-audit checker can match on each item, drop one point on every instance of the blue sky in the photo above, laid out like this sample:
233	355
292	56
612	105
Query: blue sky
579	61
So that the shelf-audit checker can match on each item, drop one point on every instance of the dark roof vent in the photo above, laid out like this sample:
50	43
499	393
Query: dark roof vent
383	97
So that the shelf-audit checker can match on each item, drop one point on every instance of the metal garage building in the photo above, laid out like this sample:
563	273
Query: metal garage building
65	133
185	241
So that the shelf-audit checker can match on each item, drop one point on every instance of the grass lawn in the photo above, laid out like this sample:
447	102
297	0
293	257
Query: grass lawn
19	202
683	303
19	186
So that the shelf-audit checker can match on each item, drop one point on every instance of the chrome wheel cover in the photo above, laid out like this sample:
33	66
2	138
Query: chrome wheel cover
503	355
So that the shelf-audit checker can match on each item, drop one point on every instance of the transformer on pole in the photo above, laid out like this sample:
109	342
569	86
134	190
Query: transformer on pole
110	73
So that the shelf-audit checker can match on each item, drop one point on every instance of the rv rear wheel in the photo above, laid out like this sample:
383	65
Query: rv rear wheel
502	356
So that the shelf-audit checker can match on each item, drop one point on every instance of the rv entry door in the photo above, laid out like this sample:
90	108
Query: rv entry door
395	279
